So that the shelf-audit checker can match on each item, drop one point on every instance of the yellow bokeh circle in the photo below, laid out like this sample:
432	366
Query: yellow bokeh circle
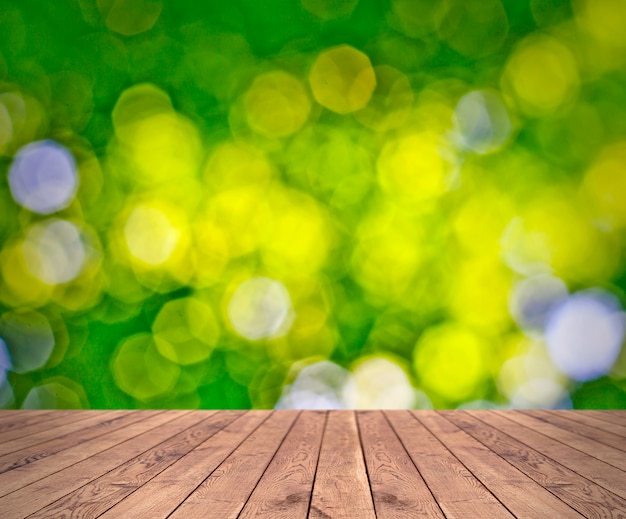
185	331
342	79
390	103
605	185
277	104
451	362
140	371
542	75
412	168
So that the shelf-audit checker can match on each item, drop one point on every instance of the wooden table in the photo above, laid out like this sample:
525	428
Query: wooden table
339	464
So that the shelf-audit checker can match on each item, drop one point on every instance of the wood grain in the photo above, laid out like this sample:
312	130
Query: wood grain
284	491
341	488
92	427
160	496
329	464
57	429
397	487
603	421
17	419
600	451
457	490
93	499
580	493
523	496
217	495
42	492
614	417
599	472
573	422
46	422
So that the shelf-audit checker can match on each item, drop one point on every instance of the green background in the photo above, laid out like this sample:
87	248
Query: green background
334	154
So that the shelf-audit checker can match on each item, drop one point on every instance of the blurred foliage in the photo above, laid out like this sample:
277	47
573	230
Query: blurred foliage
315	203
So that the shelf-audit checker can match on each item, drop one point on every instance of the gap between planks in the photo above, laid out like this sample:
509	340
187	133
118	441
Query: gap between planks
290	464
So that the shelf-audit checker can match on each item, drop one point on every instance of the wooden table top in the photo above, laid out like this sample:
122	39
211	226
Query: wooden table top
327	464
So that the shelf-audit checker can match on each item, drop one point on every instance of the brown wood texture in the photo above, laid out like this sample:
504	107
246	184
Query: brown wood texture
456	489
284	491
301	464
226	490
341	484
397	487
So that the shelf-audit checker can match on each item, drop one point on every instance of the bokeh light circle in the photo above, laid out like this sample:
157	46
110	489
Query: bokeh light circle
541	393
584	334
28	337
391	102
185	331
482	121
542	74
451	362
52	395
342	79
534	298
140	371
130	17
321	385
381	383
55	251
605	185
43	177
277	104
260	308
5	361
151	235
412	168
462	20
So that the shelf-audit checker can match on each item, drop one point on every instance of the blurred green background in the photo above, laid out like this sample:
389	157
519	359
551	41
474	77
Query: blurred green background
312	204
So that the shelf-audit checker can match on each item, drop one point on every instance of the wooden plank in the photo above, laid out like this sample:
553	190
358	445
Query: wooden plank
617	417
16	419
577	426
600	451
26	474
55	430
284	491
592	419
341	487
363	464
50	422
397	487
159	497
523	496
33	497
95	426
457	490
98	496
599	472
8	414
577	491
219	495
46	421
